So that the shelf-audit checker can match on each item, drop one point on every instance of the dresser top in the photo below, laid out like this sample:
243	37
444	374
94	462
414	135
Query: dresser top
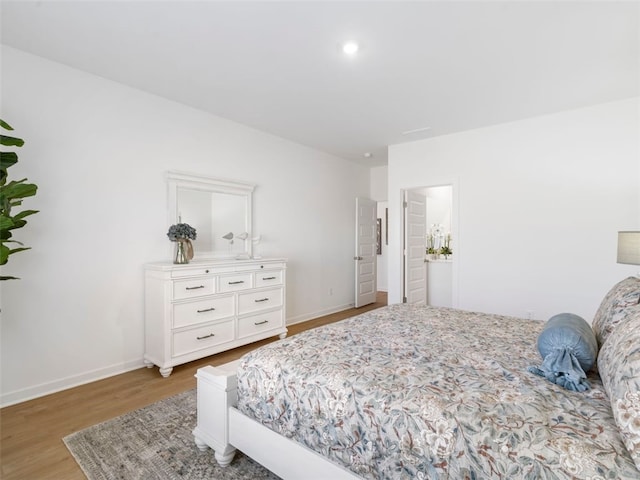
221	262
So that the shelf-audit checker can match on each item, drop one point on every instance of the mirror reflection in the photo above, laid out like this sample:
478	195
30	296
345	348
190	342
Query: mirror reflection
219	210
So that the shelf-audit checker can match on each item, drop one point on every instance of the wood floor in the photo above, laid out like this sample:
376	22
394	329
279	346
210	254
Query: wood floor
31	445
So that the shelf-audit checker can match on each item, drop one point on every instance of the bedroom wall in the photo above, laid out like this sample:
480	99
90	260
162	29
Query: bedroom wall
98	151
539	205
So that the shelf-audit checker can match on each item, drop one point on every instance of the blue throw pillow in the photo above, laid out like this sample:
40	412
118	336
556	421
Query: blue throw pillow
569	348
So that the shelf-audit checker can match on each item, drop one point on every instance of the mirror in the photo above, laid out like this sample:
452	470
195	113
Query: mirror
219	210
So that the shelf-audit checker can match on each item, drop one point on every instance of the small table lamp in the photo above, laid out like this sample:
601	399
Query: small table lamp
629	248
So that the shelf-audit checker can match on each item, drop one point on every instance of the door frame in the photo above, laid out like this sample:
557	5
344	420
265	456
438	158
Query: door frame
398	223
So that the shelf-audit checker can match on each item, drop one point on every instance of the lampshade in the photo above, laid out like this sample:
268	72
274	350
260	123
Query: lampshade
629	248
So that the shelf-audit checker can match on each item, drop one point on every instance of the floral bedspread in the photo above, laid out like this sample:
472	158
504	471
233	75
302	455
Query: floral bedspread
425	392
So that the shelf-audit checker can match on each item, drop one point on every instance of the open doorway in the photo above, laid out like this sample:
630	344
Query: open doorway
428	245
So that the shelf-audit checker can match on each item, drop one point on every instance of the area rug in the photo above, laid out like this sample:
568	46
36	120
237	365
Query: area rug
154	442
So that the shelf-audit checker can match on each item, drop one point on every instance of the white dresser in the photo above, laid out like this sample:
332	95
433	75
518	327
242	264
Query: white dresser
202	308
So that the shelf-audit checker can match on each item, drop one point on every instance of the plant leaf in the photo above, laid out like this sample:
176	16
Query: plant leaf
18	189
6	223
17	224
12	241
5	125
2	277
4	253
21	215
8	159
8	141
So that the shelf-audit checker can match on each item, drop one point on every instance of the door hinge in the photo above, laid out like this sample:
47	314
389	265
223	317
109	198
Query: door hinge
404	299
404	204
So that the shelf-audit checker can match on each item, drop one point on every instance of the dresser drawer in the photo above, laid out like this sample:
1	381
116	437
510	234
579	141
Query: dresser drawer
258	323
255	301
206	310
190	271
188	341
232	283
194	287
270	277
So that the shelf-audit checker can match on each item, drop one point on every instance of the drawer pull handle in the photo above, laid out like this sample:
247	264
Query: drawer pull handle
261	323
261	300
268	278
206	310
236	283
206	336
194	288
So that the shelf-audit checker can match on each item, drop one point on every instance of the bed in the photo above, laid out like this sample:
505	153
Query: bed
424	392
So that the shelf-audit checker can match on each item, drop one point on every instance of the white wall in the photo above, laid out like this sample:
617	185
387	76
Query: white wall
98	151
439	207
379	180
539	203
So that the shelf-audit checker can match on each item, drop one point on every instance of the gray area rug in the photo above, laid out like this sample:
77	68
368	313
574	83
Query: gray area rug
154	442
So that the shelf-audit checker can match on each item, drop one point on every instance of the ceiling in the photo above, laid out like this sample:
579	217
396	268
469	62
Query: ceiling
278	66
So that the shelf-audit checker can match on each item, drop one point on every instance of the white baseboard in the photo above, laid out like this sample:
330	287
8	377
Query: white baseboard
319	313
18	396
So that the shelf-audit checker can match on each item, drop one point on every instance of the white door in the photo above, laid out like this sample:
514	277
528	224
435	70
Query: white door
365	257
415	243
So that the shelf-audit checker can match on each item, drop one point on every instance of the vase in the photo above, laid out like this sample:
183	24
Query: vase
181	254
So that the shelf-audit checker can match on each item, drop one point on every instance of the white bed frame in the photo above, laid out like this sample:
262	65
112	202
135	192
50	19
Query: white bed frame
223	428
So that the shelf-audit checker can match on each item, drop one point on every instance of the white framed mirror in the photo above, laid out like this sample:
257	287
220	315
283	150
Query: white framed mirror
220	211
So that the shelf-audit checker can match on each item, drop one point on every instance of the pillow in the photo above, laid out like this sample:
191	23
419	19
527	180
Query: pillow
619	367
569	349
624	294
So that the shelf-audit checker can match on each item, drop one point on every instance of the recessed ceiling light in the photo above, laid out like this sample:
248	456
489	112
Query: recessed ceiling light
368	155
350	48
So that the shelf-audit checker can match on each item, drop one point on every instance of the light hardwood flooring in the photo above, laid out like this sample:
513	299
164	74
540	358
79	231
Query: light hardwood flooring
31	445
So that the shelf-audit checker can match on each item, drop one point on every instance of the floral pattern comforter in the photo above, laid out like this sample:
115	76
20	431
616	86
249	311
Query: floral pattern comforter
425	392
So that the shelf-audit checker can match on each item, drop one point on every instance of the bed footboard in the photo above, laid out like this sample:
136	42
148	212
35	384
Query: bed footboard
216	393
220	423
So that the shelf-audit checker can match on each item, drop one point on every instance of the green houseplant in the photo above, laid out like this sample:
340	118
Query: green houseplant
11	195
